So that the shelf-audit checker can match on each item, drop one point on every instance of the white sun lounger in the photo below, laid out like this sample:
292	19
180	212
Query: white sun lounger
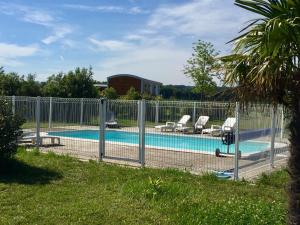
199	125
111	122
201	122
216	130
172	125
31	136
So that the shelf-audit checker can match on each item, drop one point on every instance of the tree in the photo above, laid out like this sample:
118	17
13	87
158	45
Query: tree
180	92
54	86
10	130
30	87
202	67
80	84
14	84
75	84
265	67
10	83
110	93
132	94
1	71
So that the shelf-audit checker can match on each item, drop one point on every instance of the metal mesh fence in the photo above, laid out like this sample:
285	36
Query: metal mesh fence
172	144
195	136
122	131
262	142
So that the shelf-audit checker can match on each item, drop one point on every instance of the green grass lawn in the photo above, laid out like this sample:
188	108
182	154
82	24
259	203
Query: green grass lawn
50	189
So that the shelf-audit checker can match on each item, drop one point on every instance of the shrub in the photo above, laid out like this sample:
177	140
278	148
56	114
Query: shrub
132	94
147	96
9	129
110	93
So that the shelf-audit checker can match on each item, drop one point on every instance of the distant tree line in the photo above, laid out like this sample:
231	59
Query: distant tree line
73	84
182	92
79	83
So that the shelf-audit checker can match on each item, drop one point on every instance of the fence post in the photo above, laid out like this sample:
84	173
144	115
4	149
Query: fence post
37	117
142	110
156	112
107	104
13	104
273	133
194	113
102	119
282	123
50	113
138	114
81	111
237	137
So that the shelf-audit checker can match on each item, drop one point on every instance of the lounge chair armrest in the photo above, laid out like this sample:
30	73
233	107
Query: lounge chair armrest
180	125
228	128
216	127
170	124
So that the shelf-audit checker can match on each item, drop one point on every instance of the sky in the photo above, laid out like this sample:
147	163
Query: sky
148	38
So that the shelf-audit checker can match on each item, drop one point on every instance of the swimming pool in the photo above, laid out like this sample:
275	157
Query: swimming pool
166	141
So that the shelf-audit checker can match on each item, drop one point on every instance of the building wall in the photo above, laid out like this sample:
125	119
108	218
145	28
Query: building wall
123	84
150	87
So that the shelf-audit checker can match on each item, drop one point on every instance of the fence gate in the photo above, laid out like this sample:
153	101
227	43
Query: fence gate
128	142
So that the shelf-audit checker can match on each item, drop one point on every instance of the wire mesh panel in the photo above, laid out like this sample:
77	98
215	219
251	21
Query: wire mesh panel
281	146
257	125
70	126
187	135
122	132
26	108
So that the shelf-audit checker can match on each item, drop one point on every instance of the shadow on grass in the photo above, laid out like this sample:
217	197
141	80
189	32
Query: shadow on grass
14	171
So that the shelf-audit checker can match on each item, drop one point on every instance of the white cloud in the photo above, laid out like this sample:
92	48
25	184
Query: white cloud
40	17
206	18
158	63
109	8
9	53
99	8
155	58
13	51
10	62
110	45
134	37
27	14
68	43
59	32
137	10
106	8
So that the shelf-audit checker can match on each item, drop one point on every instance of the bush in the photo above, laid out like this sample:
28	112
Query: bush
9	129
132	94
110	93
147	96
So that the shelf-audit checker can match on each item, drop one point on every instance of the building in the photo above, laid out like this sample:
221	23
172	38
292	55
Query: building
123	82
100	87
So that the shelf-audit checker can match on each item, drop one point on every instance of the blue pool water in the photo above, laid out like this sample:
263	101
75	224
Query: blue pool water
179	142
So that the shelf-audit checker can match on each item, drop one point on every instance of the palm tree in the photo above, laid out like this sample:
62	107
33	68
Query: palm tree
265	66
